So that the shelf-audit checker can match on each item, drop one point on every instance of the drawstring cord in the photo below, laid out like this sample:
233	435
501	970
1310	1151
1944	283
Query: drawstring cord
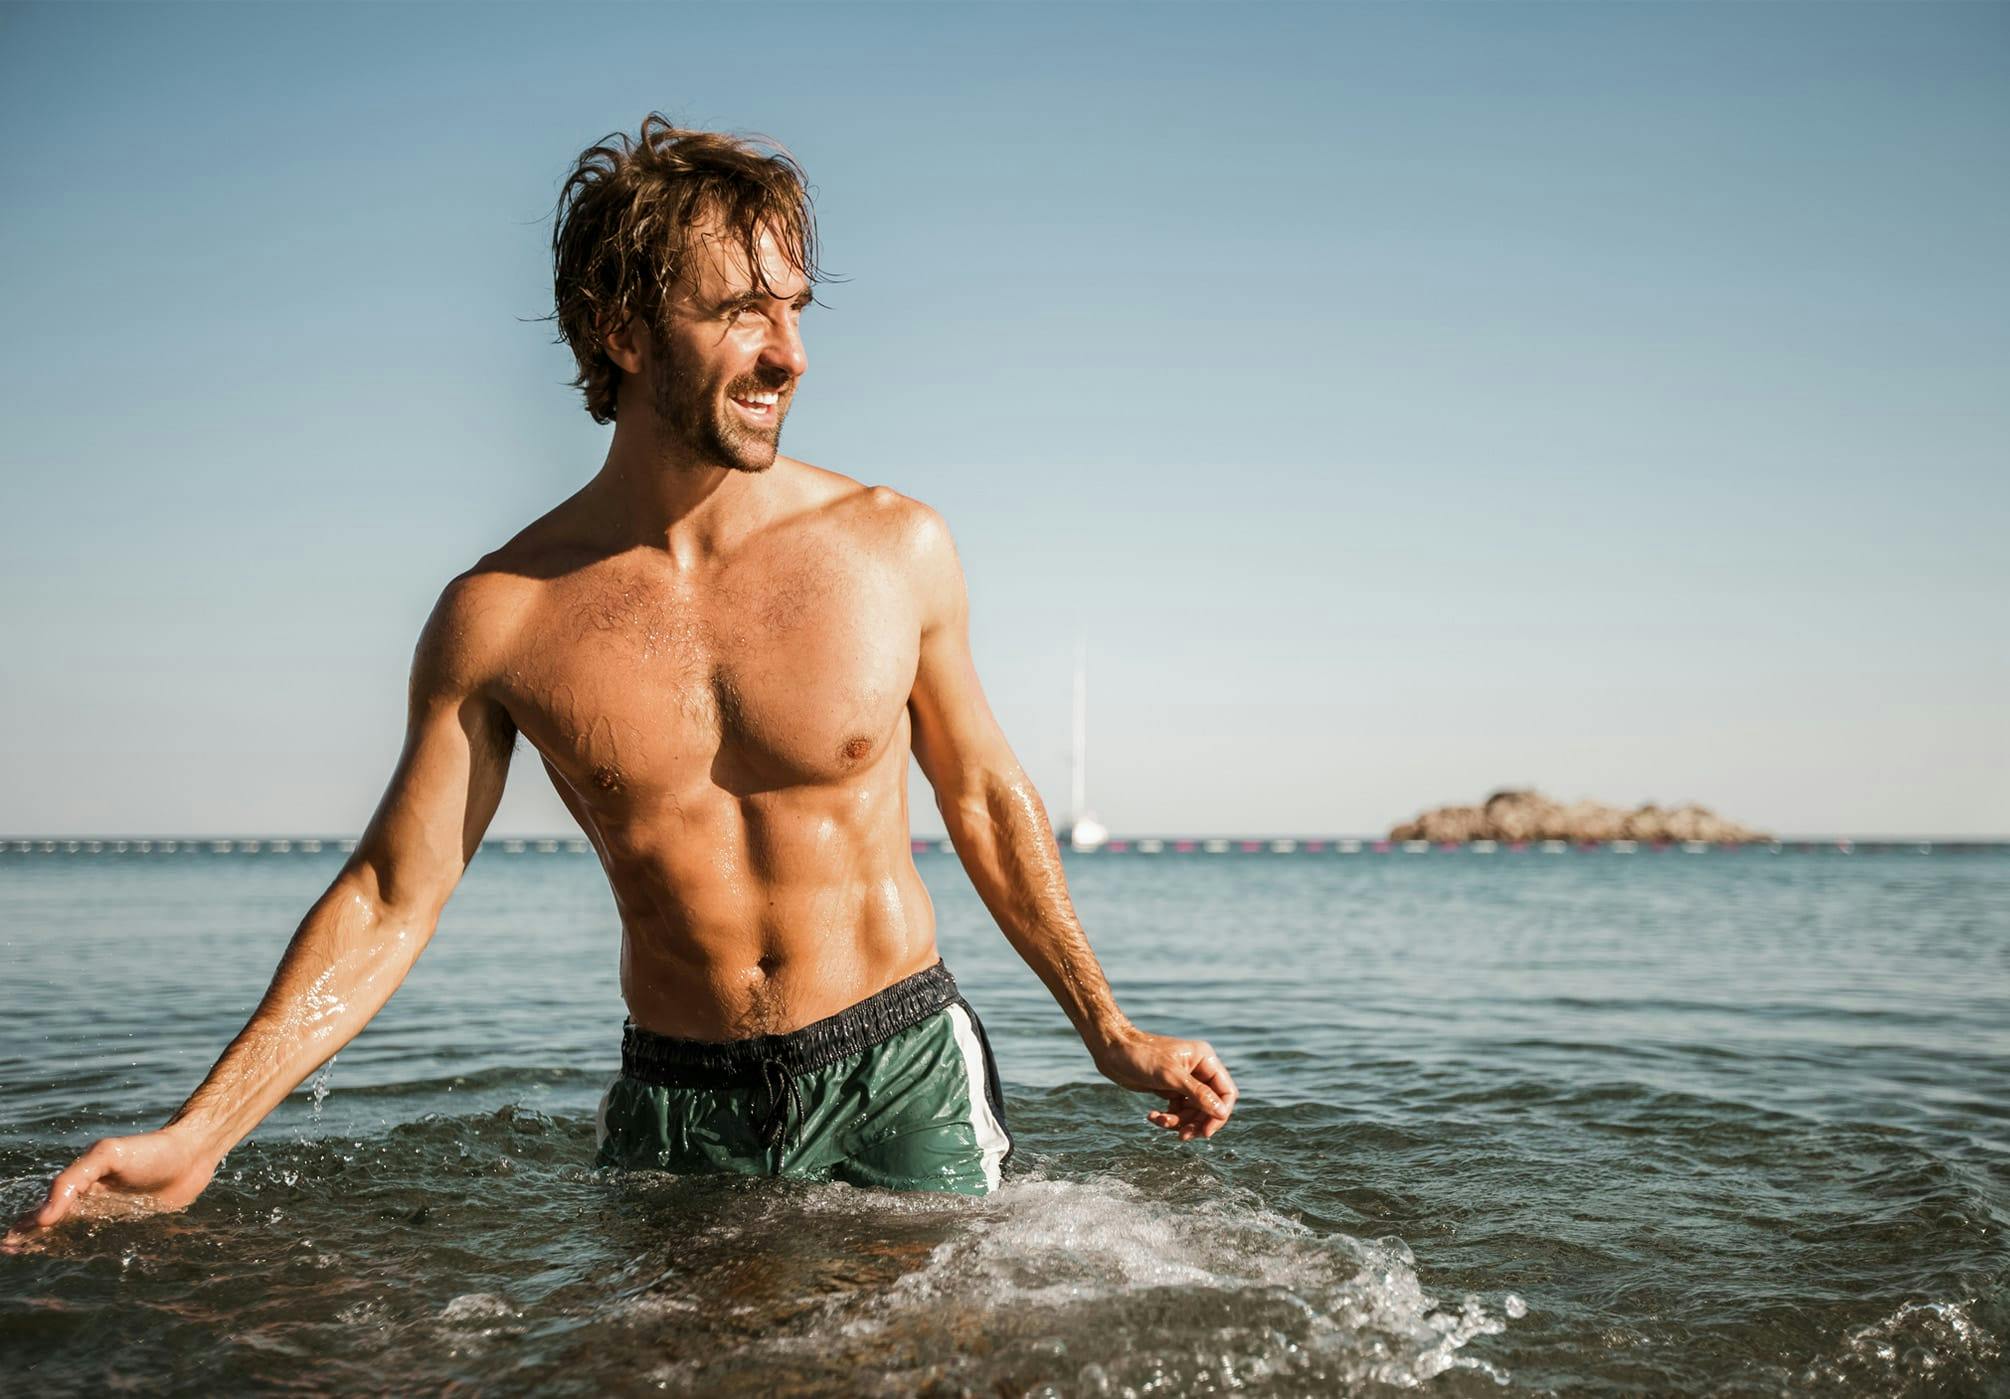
783	1098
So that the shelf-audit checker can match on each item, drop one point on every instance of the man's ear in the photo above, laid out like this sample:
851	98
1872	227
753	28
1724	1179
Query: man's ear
623	343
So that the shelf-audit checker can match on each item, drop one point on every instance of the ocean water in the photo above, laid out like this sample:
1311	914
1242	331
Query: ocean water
1734	1123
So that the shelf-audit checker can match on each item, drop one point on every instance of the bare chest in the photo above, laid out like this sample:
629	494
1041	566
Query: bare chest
637	687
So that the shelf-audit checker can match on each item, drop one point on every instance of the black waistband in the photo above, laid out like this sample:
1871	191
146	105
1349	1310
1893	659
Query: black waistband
679	1063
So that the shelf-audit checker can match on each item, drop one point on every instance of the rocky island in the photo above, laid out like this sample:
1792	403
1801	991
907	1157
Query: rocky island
1527	815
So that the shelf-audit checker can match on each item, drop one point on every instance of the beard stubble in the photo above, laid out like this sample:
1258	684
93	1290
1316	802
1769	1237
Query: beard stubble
689	419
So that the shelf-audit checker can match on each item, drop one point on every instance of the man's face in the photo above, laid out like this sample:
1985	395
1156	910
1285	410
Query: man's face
723	373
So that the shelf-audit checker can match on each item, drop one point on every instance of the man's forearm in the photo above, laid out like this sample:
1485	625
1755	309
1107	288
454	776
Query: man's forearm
1000	829
349	954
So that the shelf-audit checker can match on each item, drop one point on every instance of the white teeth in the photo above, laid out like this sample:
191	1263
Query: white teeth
770	397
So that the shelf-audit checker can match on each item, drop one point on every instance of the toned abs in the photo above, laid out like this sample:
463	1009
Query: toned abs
733	738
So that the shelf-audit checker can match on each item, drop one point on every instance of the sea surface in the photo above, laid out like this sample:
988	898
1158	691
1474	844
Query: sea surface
1576	1123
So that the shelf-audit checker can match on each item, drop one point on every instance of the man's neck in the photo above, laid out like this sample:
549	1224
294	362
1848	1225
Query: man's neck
656	497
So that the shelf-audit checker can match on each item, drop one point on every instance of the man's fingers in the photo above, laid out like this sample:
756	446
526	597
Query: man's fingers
1210	1101
1198	1089
1187	1121
1209	1069
20	1231
76	1178
1187	1117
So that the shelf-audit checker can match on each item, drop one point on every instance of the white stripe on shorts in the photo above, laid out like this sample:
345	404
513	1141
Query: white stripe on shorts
600	1117
991	1139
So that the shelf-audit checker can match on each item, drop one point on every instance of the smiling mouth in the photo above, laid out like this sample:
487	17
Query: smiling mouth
760	406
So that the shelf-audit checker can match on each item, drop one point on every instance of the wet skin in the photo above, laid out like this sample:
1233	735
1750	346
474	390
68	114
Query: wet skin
733	737
723	658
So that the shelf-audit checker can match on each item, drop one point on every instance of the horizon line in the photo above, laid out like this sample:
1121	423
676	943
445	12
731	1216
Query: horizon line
9	842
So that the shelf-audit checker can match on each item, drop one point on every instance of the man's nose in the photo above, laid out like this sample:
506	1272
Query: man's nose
784	350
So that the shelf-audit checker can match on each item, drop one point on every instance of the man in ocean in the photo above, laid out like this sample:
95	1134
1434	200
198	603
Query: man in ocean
723	657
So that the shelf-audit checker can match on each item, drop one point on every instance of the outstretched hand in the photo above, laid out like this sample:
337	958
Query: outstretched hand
139	1174
1188	1074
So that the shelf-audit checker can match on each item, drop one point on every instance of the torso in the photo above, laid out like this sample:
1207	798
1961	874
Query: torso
734	741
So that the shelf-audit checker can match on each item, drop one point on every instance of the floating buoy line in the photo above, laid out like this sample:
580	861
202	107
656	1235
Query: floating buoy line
1265	846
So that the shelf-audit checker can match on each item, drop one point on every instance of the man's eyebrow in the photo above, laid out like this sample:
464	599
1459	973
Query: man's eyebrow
755	298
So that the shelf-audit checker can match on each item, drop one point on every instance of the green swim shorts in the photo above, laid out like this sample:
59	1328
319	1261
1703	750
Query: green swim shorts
899	1091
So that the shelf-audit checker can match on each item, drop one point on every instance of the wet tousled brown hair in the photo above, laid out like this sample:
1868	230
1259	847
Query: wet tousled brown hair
625	212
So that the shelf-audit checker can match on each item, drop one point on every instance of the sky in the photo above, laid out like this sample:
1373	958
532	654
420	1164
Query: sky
1399	402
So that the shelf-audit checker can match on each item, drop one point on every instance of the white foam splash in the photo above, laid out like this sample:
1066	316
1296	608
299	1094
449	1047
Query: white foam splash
1919	1341
471	1323
477	1306
1112	1289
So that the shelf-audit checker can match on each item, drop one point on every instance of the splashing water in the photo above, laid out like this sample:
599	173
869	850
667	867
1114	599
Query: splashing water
1096	1286
318	1089
1916	1346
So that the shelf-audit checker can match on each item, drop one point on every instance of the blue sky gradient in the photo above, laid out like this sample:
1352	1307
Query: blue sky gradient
1403	401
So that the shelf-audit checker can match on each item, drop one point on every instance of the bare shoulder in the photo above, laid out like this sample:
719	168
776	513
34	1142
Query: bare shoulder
927	551
905	532
482	610
466	640
911	541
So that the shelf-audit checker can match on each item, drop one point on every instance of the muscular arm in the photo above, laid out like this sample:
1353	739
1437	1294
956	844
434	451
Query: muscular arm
1000	829
360	938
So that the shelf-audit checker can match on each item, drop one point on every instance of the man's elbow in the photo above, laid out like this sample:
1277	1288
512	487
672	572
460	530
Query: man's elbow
395	892
962	810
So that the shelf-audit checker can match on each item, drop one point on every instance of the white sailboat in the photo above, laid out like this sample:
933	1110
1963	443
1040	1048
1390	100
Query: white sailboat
1084	831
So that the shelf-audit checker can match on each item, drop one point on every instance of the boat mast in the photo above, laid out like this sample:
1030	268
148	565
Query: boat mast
1079	783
